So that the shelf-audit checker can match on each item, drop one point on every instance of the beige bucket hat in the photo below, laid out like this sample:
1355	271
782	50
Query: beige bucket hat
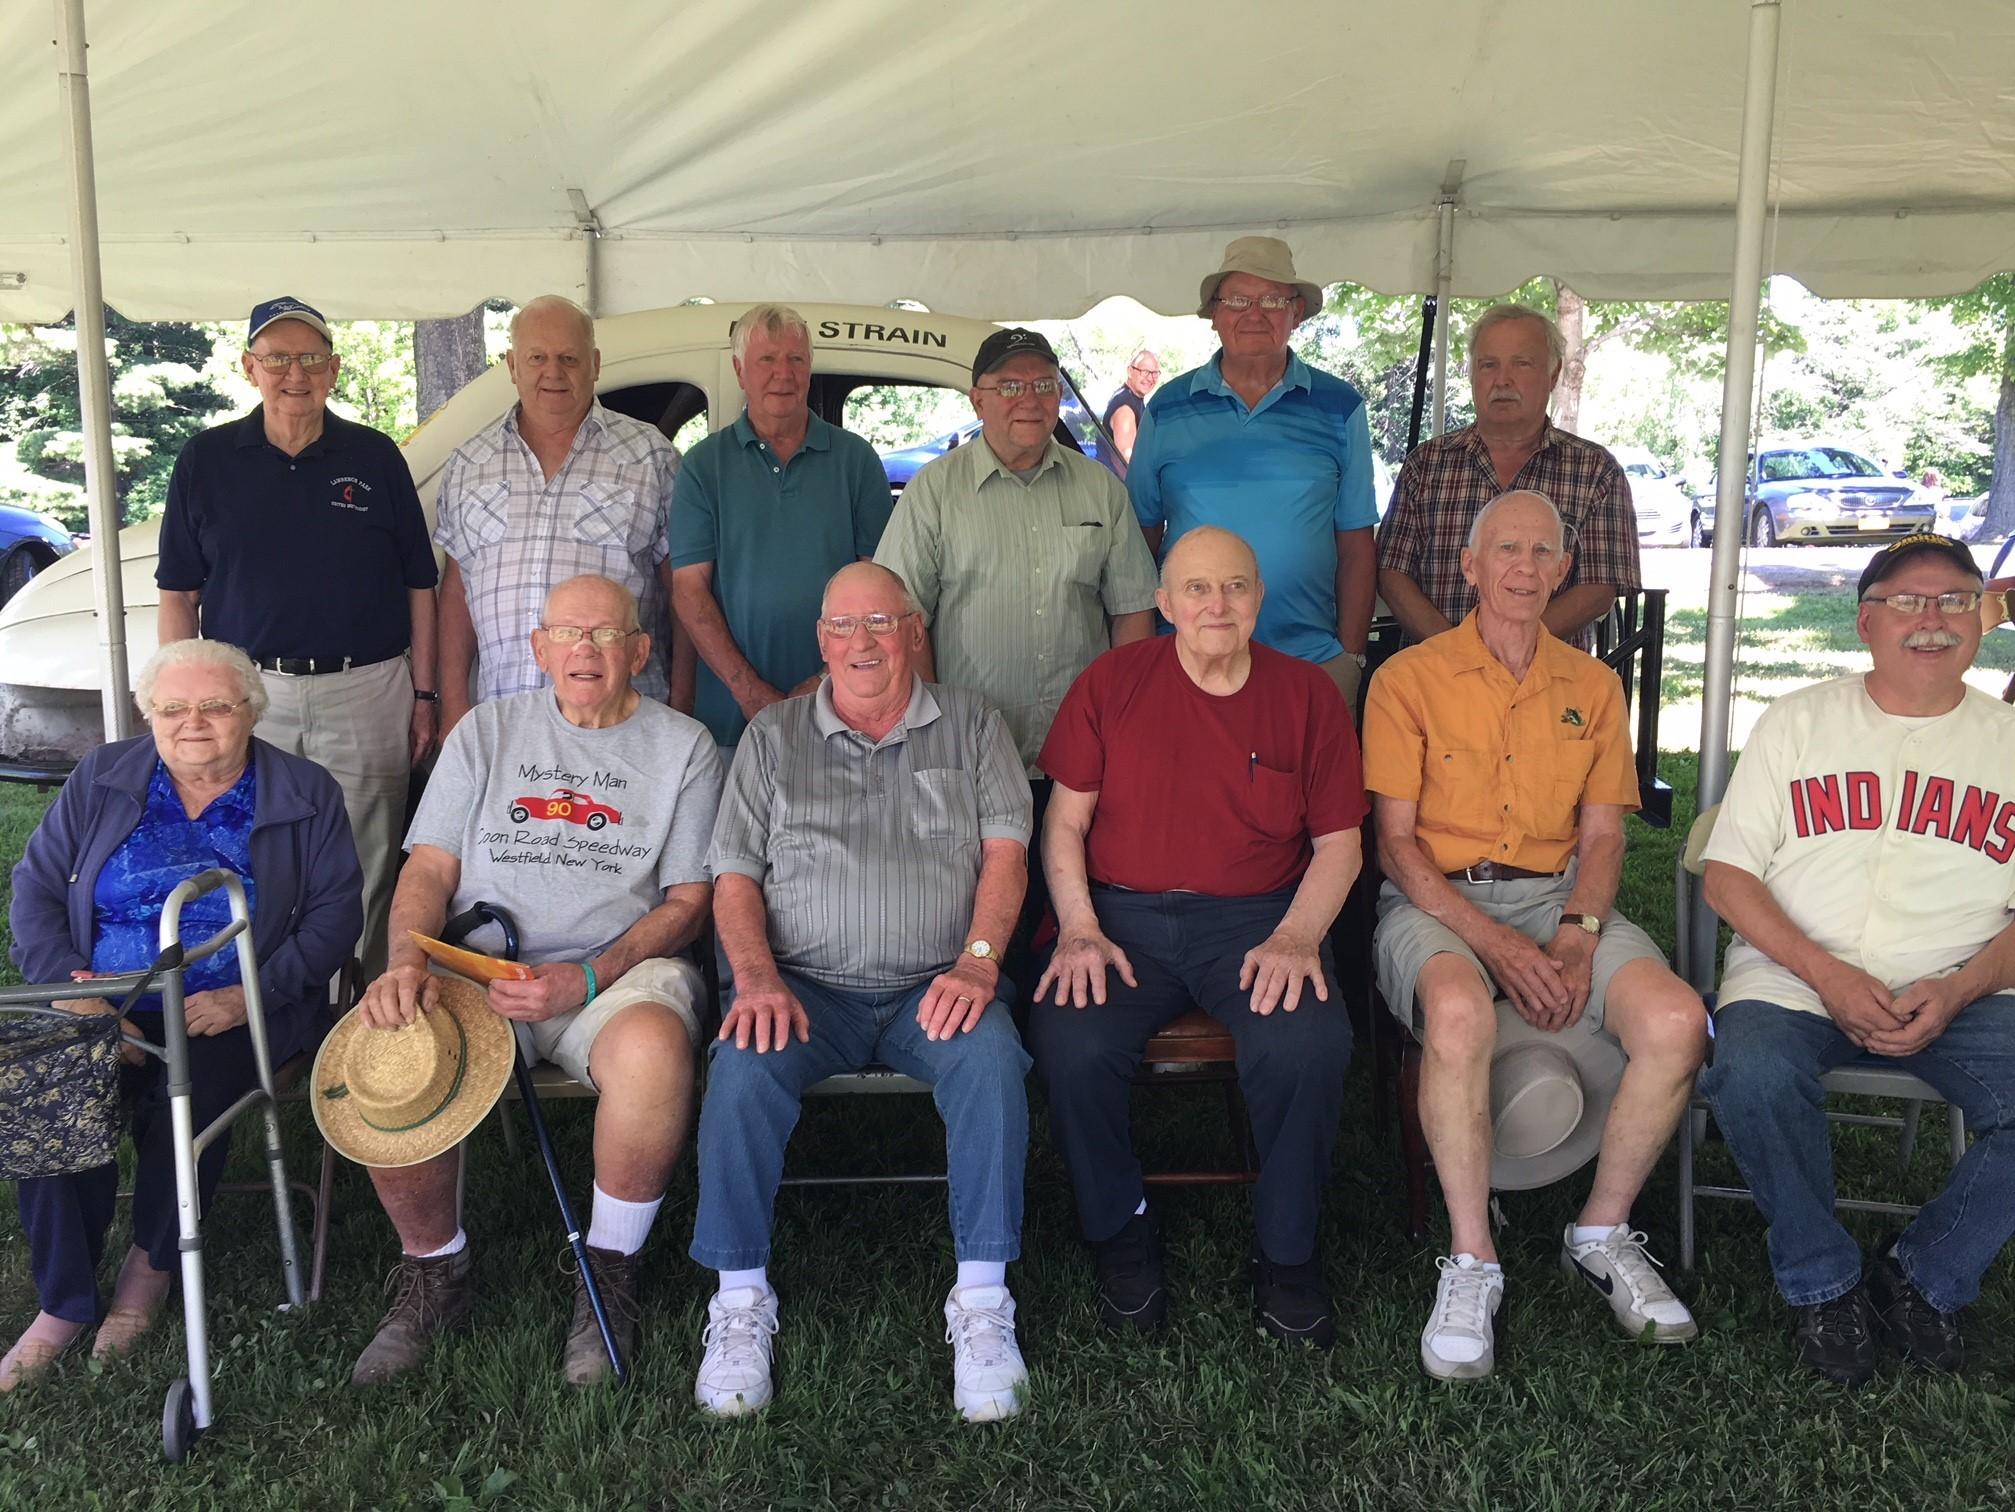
1549	1099
396	1097
1263	257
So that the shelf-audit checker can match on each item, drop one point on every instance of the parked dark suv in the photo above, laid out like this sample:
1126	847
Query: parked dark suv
28	543
1829	493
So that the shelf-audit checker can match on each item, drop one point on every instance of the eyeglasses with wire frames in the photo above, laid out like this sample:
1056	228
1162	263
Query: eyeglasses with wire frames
209	708
1959	602
603	636
881	626
279	362
1238	304
1014	388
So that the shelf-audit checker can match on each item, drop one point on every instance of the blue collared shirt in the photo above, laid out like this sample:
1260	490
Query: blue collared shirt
1286	475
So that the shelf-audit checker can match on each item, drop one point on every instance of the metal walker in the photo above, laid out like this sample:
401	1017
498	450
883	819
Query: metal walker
186	1412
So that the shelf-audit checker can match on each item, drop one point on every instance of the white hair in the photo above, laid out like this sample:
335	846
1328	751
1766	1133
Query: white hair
615	590
201	653
909	599
1559	526
772	320
560	303
1498	314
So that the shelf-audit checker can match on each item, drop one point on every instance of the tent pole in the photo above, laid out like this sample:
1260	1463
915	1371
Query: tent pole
94	384
1444	276
1737	401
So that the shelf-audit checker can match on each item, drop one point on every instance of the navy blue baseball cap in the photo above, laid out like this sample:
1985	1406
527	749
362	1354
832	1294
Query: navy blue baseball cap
287	307
1014	341
1896	553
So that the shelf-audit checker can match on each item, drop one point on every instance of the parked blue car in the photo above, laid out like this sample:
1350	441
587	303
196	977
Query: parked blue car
1076	426
28	543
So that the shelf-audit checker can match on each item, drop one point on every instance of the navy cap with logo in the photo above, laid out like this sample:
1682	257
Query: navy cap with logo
1014	341
1896	553
287	307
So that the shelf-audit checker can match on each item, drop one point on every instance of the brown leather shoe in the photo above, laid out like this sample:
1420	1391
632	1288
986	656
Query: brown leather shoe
586	1359
428	1297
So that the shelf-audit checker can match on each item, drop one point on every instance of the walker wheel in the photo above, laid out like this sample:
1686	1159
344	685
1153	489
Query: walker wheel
178	1421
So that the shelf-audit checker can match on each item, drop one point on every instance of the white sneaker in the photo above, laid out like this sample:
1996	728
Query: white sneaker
1618	1266
987	1368
1459	1342
741	1339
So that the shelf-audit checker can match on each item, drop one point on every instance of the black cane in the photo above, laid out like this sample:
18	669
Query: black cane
456	930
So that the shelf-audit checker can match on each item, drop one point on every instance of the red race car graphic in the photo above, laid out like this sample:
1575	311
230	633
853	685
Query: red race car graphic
573	807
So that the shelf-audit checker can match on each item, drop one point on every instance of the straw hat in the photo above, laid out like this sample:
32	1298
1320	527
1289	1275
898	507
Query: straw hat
1549	1098
396	1097
1263	257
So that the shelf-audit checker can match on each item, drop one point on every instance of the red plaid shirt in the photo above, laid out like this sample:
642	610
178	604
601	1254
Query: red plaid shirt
1447	481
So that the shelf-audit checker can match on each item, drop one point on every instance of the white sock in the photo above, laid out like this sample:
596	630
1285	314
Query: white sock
757	1280
1585	1233
621	1226
454	1246
1490	1266
982	1273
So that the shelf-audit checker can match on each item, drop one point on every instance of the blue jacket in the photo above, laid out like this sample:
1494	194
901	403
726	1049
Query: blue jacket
305	921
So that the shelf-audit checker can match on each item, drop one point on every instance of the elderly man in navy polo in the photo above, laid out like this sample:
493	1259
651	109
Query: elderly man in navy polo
1258	442
297	535
869	857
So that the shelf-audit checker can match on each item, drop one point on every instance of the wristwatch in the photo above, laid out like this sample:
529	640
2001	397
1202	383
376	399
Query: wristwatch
1357	656
426	695
980	950
1587	923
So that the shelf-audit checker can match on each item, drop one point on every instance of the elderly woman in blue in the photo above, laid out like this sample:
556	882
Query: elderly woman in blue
135	819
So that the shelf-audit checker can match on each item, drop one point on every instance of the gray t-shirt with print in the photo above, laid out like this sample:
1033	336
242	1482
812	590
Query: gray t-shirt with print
577	833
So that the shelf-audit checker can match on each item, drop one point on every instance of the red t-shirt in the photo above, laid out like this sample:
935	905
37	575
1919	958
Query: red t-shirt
1200	793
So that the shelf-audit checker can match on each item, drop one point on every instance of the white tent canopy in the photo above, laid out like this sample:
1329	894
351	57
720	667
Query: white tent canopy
1024	158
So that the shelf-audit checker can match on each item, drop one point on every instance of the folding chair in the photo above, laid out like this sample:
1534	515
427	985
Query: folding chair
1863	1077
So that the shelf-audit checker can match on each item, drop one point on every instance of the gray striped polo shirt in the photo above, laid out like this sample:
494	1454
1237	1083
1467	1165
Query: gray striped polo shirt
868	852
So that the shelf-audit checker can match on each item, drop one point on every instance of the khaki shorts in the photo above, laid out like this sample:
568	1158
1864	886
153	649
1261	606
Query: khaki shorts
1407	938
569	1039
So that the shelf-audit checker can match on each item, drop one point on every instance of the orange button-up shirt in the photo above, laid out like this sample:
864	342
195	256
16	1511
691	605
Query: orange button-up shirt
1498	767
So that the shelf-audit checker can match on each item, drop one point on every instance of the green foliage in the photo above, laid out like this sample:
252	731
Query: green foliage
161	396
1987	315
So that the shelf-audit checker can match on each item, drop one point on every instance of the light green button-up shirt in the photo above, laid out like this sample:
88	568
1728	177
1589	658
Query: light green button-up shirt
1017	580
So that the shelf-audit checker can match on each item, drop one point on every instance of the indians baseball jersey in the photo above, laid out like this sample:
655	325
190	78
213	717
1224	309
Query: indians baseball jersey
1890	841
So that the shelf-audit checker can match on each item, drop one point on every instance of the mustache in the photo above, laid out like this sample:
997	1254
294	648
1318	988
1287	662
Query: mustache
1930	640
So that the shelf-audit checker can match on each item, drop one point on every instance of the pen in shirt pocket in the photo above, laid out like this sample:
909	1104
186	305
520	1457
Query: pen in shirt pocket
1252	768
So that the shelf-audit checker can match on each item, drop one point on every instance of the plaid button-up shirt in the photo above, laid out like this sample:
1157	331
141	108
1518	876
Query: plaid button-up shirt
515	534
1447	481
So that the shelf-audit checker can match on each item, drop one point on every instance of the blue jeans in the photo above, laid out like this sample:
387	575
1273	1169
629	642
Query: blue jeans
1187	948
752	1104
1764	1088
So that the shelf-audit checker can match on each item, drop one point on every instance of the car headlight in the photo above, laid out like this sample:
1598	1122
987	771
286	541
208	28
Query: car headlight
1809	502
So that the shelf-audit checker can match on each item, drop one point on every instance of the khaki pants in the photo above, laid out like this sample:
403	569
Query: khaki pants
358	725
1348	676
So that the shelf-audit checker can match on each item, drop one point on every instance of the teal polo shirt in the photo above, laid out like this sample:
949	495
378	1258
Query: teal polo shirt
1287	475
774	531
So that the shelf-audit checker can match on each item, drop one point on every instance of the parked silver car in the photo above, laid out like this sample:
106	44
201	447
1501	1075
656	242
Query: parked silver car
1820	492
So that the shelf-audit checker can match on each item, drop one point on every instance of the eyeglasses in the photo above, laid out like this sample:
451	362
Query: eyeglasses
1273	304
209	708
1142	367
604	636
1948	603
842	626
1014	388
279	362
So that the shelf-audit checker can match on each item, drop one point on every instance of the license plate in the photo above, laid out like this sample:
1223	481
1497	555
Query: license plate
1874	522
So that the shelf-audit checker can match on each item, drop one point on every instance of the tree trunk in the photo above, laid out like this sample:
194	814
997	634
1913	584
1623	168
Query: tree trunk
1569	310
447	354
2001	488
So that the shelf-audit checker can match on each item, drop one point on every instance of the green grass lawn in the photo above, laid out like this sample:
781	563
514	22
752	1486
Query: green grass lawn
1209	1415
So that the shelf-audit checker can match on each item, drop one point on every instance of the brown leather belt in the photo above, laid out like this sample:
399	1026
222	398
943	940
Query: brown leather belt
1496	871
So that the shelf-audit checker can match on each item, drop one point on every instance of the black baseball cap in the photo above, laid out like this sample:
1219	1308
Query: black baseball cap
1896	553
1012	341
